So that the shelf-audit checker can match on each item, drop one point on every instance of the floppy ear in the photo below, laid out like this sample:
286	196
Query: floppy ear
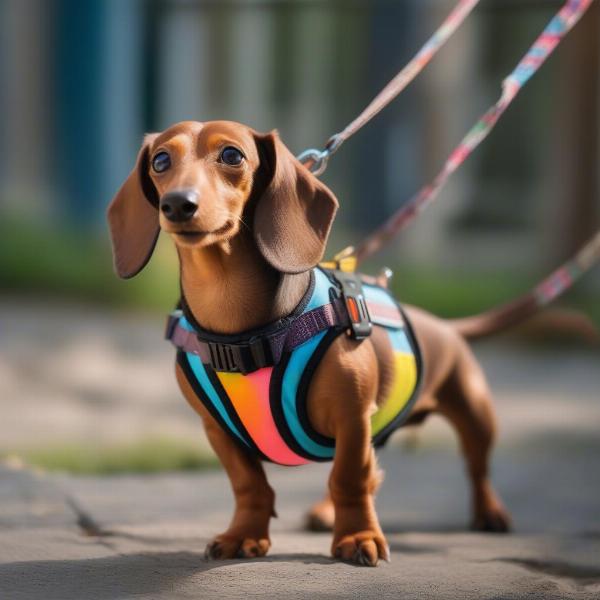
294	214
133	217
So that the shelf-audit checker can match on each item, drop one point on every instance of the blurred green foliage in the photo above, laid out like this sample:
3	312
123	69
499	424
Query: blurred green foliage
64	264
51	263
459	294
151	455
67	265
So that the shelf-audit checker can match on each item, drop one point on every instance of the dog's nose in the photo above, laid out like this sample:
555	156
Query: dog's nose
179	206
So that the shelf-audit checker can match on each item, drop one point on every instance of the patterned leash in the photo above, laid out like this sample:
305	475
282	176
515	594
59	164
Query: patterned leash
566	275
543	47
316	160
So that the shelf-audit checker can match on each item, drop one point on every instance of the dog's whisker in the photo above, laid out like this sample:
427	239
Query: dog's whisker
240	219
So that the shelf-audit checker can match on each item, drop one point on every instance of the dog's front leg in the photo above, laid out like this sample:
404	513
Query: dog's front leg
248	532
354	479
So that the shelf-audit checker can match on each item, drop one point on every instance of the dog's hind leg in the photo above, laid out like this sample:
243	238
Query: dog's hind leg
321	515
465	400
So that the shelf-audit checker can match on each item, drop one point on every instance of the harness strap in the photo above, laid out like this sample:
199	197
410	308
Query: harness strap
313	322
260	351
349	310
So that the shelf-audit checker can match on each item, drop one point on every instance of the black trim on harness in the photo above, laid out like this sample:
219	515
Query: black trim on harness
232	412
276	404
247	336
183	362
249	447
382	437
245	352
222	344
304	385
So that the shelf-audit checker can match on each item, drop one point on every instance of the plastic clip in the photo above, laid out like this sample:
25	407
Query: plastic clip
356	305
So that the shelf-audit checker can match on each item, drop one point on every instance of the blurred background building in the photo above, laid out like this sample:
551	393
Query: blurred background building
87	384
82	82
88	388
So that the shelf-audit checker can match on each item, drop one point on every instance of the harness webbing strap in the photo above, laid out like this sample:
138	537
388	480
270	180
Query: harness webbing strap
314	321
266	350
537	54
258	351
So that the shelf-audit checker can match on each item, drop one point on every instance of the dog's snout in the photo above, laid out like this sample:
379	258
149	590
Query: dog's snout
179	206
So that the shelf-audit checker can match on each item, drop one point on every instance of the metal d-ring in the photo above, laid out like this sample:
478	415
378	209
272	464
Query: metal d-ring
320	158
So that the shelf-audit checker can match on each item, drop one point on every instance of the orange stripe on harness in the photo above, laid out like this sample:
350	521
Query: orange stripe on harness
249	395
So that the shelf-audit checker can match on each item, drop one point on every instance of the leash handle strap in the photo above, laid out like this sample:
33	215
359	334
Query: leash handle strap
316	160
537	54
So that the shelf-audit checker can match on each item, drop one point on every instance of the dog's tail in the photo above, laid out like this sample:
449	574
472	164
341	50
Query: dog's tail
557	320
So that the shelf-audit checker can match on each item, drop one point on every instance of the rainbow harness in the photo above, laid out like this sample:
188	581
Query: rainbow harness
256	384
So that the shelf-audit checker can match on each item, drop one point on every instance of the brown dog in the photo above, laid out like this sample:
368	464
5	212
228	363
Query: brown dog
249	223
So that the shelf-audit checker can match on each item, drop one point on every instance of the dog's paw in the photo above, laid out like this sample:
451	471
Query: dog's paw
225	546
363	548
494	520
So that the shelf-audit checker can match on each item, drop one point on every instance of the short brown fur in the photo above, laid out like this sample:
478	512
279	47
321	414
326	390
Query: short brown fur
244	259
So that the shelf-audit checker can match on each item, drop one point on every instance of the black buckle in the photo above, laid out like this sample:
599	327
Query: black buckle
172	321
356	305
240	358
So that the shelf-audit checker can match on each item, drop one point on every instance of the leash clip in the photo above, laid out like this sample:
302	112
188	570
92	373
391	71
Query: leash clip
318	159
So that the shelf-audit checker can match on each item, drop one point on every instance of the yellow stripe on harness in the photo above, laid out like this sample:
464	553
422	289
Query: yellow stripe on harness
405	381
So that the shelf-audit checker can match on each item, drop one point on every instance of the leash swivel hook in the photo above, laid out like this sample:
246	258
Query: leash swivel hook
316	160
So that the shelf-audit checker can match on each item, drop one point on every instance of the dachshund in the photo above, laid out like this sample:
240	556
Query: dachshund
250	224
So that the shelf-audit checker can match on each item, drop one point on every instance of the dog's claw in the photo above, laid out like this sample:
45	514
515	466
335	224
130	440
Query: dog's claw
363	548
224	547
362	559
213	551
251	548
386	554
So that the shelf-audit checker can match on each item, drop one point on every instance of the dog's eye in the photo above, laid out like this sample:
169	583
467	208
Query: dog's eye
231	156
161	162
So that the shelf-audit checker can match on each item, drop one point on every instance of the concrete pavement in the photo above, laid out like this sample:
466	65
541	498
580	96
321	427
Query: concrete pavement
155	530
155	527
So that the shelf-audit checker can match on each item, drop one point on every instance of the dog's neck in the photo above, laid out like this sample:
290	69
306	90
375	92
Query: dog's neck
230	288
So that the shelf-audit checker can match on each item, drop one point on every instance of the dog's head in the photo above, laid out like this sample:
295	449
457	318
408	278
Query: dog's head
202	182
